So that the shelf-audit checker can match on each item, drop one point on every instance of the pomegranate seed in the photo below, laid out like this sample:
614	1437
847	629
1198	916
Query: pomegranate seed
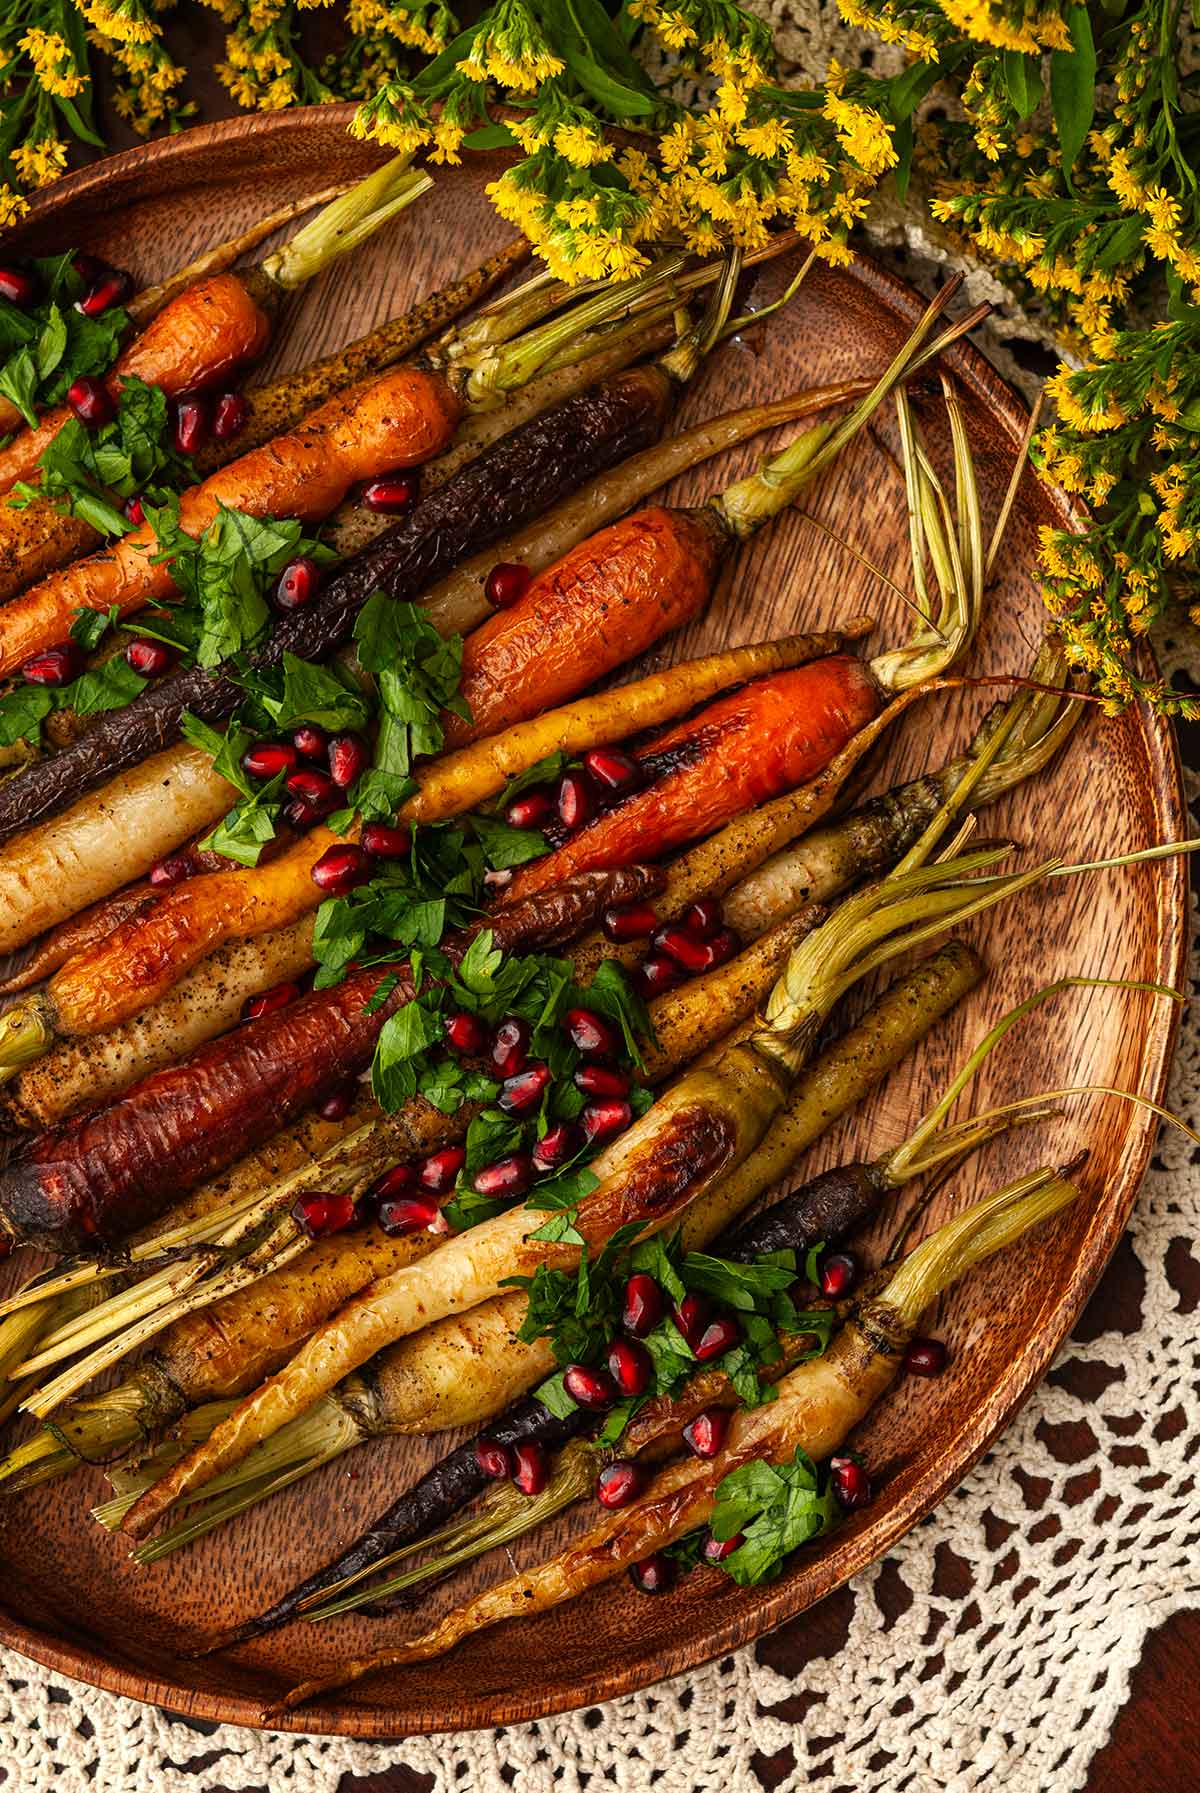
393	493
267	759
341	869
630	1366
575	802
530	809
721	947
315	789
682	947
600	1080
605	1119
719	1336
349	757
267	1001
90	268
171	870
337	1105
91	401
302	815
440	1170
507	584
558	1145
925	1357
851	1483
838	1274
19	287
629	921
703	918
403	1214
495	1460
465	1032
318	1214
230	412
619	1483
382	841
589	1387
150	658
297	586
134	510
691	1317
654	1574
396	1181
654	977
189	426
705	1435
510	1045
310	742
523	1092
589	1034
643	1306
611	770
531	1467
715	1550
54	665
112	288
509	1176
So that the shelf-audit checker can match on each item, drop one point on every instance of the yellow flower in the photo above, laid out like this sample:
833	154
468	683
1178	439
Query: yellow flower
674	30
37	164
447	140
125	21
767	140
581	145
13	206
53	64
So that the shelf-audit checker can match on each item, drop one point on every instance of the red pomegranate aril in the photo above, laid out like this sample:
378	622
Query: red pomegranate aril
619	1483
507	584
19	287
338	1104
684	948
404	1214
341	869
558	1145
310	742
91	401
721	947
530	810
628	921
230	412
466	1032
393	493
495	1460
90	268
440	1170
600	1080
630	1366
654	1574
267	1001
611	770
397	1181
850	1482
606	1118
54	666
112	288
150	658
382	841
925	1357
837	1274
705	1435
589	1387
303	815
509	1176
703	918
715	1550
691	1317
656	976
520	1094
719	1336
349	757
575	802
314	788
134	510
171	870
510	1046
318	1214
643	1304
589	1034
189	426
297	586
267	759
531	1467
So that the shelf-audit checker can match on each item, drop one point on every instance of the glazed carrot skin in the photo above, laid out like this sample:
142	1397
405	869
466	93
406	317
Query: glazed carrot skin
114	1170
748	747
397	421
641	577
195	341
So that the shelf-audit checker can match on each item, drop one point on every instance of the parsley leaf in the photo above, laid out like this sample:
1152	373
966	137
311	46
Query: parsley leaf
89	627
126	455
300	691
405	1036
504	846
45	349
778	1509
22	712
417	672
242	834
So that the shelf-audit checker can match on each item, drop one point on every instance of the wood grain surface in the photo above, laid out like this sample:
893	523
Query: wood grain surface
70	1597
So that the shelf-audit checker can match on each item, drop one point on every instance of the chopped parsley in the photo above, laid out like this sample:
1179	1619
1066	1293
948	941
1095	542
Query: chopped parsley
83	467
45	349
778	1508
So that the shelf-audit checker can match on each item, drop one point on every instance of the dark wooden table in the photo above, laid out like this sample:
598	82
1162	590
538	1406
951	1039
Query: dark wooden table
1153	1747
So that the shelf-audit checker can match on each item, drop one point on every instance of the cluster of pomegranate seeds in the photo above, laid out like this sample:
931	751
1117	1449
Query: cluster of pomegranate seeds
526	1465
837	1274
20	286
925	1357
191	423
698	942
55	666
91	401
150	658
582	792
507	584
391	494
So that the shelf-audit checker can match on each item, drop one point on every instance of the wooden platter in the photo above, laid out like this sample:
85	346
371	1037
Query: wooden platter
70	1597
